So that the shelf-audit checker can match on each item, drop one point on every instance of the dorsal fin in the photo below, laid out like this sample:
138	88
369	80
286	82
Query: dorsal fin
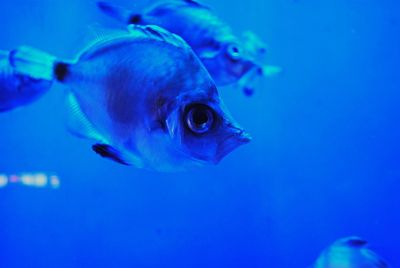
98	33
352	241
98	36
133	32
196	3
158	33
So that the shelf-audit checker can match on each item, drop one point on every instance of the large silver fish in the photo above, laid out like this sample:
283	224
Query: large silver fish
229	59
144	98
349	252
18	89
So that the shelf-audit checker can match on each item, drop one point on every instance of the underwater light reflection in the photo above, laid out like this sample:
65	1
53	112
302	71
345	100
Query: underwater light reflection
36	180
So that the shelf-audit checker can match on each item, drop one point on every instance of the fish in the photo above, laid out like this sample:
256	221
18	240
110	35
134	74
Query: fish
144	99
227	57
349	252
18	89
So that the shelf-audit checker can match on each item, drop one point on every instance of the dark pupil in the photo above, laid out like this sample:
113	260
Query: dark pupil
200	117
235	50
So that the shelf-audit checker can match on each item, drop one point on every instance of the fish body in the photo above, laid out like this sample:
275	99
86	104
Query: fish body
18	89
146	100
227	57
349	252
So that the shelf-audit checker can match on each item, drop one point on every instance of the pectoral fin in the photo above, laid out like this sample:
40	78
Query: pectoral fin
77	122
248	81
107	151
270	70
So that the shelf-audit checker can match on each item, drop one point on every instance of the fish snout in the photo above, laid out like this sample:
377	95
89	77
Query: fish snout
246	66
236	138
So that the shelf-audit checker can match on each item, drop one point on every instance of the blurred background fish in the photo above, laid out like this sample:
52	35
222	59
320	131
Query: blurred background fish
228	58
349	252
144	98
16	88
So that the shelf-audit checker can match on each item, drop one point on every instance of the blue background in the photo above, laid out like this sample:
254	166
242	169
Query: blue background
324	162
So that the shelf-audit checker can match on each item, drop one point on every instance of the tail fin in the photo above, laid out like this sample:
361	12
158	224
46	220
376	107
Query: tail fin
33	62
121	14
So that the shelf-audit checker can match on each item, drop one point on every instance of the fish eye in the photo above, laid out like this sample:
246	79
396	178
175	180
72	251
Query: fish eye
199	118
234	52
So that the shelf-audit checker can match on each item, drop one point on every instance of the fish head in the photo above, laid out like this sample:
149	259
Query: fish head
253	45
227	63
240	57
202	129
237	60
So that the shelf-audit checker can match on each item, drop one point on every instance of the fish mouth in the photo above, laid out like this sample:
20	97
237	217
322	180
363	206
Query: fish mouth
242	68
230	143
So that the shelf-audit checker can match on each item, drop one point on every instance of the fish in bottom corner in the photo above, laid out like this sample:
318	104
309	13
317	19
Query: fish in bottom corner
349	252
143	98
230	59
16	88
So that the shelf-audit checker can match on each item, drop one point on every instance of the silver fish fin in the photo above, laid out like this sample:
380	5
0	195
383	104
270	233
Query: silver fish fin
78	125
158	33
107	151
77	122
271	71
99	33
132	31
121	14
33	62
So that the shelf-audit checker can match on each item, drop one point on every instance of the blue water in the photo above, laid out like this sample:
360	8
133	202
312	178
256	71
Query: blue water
324	162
